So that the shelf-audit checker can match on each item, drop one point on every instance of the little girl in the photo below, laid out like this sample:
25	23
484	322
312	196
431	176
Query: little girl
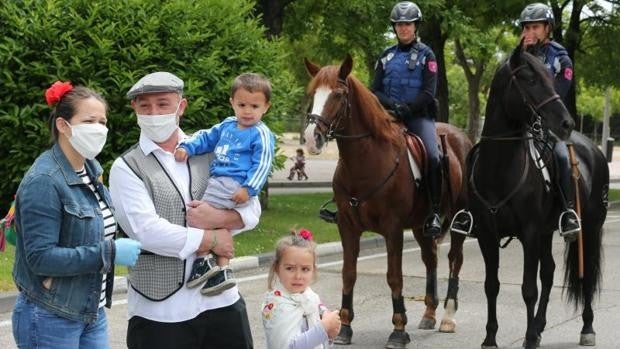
293	316
299	167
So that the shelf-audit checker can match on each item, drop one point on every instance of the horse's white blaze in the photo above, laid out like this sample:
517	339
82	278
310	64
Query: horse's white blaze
310	141
320	98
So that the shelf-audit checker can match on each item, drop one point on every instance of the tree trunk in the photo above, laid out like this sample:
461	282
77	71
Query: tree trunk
272	15
473	89
571	41
436	39
263	196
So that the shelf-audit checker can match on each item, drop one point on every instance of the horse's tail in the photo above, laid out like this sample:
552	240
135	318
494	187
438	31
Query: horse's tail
594	204
580	291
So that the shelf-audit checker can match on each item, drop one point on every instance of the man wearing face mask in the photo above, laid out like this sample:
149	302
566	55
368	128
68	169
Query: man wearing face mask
156	200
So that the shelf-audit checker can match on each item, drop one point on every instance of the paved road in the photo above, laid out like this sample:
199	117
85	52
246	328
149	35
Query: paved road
372	323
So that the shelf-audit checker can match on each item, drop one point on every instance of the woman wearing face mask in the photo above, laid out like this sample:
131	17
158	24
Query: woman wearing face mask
66	252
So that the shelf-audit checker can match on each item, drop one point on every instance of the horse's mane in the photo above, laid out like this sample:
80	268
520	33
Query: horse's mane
537	65
363	102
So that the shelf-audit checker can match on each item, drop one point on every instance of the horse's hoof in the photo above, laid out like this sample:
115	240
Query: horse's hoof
398	340
536	344
427	323
587	339
344	336
447	326
489	342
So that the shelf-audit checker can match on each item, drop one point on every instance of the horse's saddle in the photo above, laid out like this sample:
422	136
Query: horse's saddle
417	156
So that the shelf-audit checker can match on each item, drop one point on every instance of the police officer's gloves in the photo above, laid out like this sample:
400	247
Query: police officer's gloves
402	111
127	252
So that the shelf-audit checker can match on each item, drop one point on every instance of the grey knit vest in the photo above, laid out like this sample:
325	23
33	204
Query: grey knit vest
159	277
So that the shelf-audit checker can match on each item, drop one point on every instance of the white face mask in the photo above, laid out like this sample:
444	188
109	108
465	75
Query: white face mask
158	128
88	139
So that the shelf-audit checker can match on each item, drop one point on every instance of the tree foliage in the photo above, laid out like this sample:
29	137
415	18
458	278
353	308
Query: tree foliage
108	45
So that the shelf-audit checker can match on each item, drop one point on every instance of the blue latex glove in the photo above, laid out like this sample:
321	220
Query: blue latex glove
127	252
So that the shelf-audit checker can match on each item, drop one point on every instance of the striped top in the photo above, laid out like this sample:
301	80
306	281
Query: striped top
108	222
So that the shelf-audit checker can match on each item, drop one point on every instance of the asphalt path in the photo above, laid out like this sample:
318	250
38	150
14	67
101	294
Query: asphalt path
373	311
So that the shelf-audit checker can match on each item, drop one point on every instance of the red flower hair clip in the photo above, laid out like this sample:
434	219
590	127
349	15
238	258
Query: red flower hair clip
305	234
56	91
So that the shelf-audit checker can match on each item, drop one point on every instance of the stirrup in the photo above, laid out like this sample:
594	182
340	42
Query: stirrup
328	215
564	233
461	231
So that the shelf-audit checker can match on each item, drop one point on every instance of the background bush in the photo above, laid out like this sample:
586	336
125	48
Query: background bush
108	46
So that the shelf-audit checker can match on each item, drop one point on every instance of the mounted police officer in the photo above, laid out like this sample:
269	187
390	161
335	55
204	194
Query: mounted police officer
405	82
537	23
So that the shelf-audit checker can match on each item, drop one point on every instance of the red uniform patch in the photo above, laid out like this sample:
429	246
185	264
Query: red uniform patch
432	66
568	74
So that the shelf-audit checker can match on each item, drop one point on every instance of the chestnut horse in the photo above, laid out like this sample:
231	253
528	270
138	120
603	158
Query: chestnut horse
509	196
375	190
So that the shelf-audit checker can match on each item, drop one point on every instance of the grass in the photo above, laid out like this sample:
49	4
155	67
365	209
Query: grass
284	213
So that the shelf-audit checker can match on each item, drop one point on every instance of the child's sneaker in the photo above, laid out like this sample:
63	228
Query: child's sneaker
202	269
219	283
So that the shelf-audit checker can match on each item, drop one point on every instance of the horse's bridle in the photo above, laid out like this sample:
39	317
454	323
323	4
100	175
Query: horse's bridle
535	124
344	111
332	128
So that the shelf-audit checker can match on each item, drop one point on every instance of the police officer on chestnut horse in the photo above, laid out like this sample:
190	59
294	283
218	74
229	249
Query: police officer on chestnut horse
405	82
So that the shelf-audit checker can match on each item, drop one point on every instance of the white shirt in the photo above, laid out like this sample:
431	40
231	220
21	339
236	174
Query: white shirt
136	214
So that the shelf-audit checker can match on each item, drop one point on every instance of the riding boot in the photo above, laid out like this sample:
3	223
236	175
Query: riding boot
432	224
569	223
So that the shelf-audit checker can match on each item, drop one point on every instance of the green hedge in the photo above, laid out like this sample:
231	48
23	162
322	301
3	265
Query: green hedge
107	45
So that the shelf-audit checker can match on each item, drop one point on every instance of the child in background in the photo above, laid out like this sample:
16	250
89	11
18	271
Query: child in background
293	315
299	166
244	148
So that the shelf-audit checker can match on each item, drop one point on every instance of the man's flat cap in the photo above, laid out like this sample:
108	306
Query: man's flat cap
156	82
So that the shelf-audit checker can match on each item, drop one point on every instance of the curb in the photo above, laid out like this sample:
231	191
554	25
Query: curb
300	184
7	299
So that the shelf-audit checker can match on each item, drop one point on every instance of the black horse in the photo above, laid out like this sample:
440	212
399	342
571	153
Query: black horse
510	197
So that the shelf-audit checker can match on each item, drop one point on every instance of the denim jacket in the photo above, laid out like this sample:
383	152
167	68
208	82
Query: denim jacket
61	254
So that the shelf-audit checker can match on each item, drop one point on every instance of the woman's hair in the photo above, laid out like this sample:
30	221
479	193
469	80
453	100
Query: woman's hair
300	150
301	239
66	105
253	83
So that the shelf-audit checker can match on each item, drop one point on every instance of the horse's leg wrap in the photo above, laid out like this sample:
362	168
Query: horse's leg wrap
431	289
453	290
346	311
399	318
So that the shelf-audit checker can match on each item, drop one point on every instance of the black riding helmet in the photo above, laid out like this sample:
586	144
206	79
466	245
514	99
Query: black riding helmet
405	11
537	12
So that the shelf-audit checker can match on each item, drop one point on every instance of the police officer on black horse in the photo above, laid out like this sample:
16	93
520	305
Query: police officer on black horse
405	82
537	23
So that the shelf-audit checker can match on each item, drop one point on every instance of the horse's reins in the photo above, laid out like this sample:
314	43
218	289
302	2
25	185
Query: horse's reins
332	134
